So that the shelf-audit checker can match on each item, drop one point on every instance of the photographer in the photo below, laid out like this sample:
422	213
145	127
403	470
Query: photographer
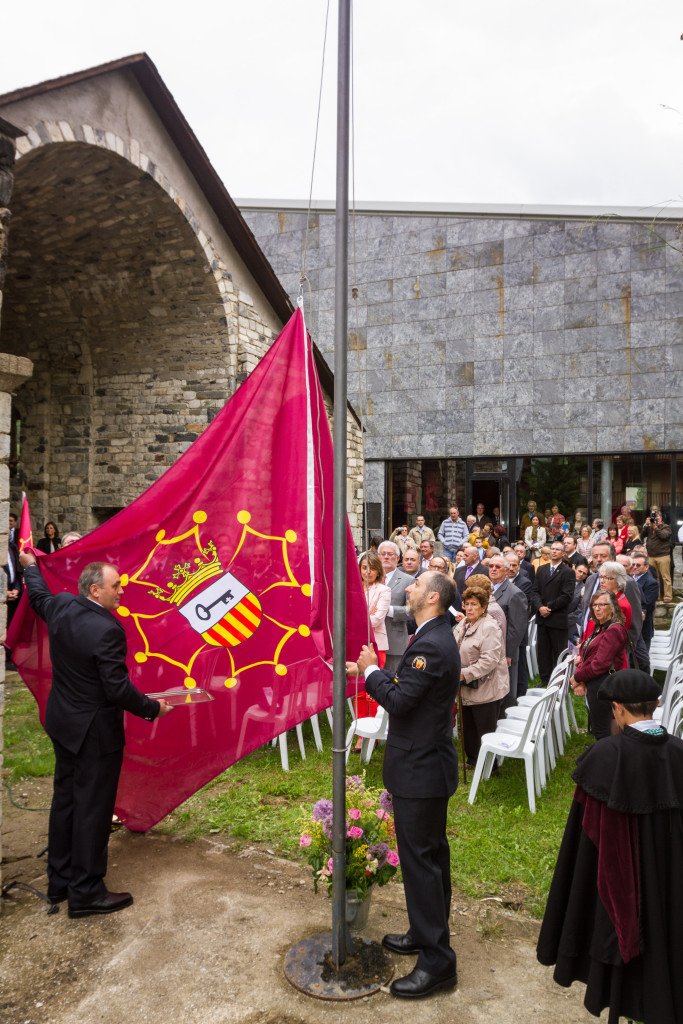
657	537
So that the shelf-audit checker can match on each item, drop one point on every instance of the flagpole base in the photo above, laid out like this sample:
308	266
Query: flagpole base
308	967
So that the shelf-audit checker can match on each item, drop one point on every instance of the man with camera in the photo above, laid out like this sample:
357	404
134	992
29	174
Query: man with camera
658	545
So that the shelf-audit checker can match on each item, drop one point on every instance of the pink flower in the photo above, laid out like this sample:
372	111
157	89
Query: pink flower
355	832
392	859
305	840
330	865
381	814
354	813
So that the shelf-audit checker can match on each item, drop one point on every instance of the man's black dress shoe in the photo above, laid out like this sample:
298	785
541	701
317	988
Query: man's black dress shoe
107	904
400	944
419	983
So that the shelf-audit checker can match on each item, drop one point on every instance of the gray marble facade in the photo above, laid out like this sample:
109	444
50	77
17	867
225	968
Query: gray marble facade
483	334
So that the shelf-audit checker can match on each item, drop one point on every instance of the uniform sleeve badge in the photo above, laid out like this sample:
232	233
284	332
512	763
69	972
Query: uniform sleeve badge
420	663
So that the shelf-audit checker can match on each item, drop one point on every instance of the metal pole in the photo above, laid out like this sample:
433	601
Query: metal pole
341	283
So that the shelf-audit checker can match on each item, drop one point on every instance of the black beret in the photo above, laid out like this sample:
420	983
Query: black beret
629	686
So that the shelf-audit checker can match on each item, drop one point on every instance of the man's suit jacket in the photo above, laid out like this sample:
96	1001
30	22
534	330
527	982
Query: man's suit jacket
420	760
649	589
526	567
90	683
514	604
459	578
13	559
397	633
524	583
576	558
555	591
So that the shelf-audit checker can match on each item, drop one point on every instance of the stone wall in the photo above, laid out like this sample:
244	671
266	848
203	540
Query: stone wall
13	372
500	334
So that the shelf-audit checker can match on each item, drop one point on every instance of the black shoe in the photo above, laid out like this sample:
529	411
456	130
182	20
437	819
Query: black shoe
107	904
59	897
419	983
403	944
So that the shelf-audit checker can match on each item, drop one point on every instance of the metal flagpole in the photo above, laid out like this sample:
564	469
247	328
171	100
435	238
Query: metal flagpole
339	950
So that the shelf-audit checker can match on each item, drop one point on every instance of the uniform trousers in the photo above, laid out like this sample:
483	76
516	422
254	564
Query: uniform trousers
83	800
549	646
426	868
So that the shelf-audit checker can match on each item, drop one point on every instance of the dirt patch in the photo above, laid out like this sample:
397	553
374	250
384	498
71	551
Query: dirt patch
206	938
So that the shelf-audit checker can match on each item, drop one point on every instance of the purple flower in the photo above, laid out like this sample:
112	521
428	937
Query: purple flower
385	801
322	811
355	782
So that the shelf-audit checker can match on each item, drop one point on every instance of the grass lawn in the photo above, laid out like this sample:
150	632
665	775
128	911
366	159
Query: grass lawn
497	847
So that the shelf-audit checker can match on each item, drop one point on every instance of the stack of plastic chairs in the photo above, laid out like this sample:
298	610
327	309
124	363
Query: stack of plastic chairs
528	746
560	722
667	644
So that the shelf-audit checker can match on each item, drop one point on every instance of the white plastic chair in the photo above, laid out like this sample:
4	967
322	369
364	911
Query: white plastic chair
524	747
369	730
515	723
664	650
662	636
673	677
559	720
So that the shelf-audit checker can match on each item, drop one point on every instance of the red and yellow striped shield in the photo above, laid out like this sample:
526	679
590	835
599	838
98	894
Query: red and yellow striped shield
237	625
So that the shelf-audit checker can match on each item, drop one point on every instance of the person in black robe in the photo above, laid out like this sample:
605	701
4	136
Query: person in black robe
614	917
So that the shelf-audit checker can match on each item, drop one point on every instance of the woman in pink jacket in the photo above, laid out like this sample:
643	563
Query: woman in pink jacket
378	597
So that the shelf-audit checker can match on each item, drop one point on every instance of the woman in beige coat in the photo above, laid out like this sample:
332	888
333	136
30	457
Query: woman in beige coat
484	678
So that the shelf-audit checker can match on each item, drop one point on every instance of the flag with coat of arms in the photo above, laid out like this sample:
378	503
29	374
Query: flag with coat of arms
226	563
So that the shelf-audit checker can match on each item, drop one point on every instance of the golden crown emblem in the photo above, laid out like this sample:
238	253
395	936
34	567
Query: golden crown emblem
206	567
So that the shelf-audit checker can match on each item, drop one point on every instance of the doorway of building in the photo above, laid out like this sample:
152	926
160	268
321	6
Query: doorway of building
487	493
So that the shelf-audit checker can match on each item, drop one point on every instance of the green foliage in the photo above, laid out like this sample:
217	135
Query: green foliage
28	750
552	480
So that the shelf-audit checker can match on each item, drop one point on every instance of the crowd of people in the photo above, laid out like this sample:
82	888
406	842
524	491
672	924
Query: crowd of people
594	586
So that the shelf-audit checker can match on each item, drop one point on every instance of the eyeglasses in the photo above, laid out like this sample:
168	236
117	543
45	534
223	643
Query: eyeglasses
601	577
439	566
601	605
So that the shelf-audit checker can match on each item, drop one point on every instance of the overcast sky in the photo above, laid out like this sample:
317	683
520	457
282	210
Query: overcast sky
533	101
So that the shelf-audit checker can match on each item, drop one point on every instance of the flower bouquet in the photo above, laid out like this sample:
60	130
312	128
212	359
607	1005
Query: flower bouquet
371	857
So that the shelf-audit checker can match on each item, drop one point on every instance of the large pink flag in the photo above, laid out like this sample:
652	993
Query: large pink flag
227	566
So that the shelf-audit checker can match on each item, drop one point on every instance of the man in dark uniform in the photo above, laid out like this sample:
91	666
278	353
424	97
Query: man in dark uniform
614	918
421	773
84	719
551	594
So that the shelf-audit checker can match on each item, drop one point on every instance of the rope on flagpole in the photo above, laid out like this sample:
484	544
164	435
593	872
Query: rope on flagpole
304	243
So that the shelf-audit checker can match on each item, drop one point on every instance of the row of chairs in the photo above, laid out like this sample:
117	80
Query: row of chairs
534	731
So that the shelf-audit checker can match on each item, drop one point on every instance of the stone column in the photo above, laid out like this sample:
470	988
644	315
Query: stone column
14	370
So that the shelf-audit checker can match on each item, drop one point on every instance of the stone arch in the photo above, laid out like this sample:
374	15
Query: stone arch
130	316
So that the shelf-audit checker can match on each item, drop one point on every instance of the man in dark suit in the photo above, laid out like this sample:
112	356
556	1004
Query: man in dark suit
523	583
514	604
552	592
84	719
397	616
421	773
15	584
649	589
470	567
572	555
